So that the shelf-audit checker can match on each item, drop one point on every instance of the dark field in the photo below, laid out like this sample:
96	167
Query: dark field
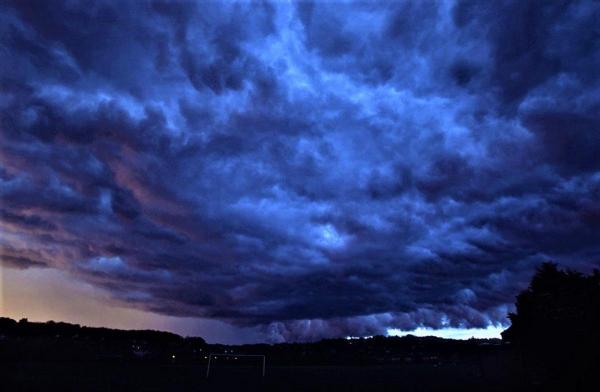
72	376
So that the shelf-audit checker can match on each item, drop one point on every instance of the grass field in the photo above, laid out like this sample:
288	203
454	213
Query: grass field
68	376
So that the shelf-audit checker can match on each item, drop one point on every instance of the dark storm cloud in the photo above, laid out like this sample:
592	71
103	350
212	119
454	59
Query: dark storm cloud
313	169
20	258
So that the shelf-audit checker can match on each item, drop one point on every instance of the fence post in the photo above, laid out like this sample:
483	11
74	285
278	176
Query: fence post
208	366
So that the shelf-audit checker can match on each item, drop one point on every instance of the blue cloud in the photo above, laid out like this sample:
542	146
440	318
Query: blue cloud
311	169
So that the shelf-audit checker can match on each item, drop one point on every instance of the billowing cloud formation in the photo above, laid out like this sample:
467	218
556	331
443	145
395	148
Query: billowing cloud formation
315	169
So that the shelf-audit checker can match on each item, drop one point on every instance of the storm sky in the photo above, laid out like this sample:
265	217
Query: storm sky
299	170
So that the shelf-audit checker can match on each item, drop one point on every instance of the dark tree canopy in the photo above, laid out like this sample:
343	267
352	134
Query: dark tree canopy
557	306
556	328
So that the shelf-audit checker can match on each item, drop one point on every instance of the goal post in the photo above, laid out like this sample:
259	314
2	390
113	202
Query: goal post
235	356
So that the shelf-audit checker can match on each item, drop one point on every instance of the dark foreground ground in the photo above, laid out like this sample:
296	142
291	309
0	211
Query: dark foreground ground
69	376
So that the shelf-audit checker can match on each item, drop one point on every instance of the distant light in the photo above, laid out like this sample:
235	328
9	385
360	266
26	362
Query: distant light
173	356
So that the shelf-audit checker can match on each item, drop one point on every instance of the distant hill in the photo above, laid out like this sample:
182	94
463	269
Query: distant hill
25	328
57	340
32	340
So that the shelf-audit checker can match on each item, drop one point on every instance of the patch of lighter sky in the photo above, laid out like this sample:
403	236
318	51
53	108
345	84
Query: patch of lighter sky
329	237
38	294
490	332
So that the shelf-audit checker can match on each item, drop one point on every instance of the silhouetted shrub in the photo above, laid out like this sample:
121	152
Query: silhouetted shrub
557	327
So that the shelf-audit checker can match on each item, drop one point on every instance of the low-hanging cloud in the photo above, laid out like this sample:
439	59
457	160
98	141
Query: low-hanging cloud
315	170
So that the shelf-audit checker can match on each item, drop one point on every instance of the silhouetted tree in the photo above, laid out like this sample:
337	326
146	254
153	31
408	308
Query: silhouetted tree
557	326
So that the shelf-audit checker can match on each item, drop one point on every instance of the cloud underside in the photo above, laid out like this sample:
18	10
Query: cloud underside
313	169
